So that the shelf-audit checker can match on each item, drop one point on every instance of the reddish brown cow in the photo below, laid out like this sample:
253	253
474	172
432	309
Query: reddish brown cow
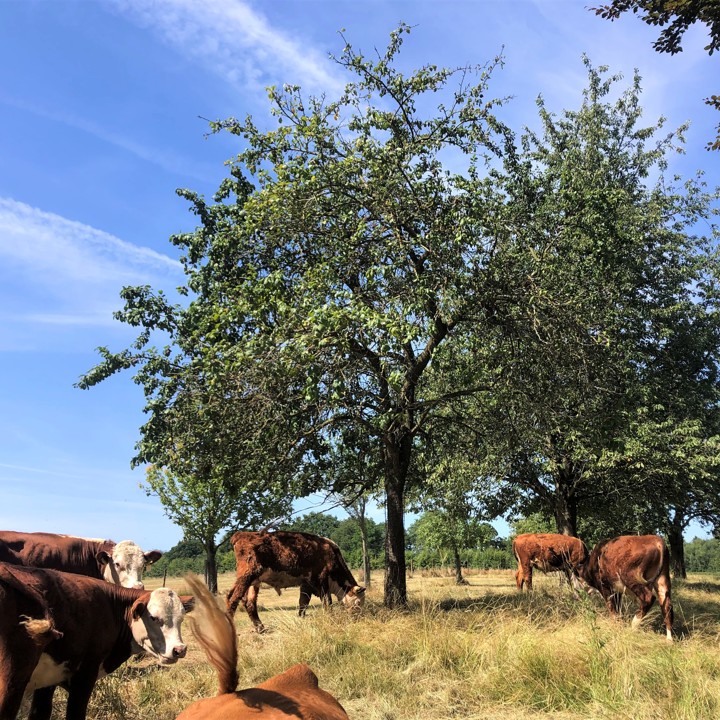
548	552
292	694
639	564
62	629
120	563
290	559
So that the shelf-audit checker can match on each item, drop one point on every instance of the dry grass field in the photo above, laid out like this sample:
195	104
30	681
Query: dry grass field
481	650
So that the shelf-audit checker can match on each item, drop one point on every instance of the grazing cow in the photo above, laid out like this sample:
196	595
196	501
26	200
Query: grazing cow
548	552
290	559
292	694
62	629
120	563
639	564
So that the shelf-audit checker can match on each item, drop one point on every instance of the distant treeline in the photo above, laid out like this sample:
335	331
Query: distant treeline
189	556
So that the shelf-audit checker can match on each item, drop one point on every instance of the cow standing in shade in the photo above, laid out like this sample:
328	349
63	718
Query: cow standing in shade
62	629
119	563
549	552
639	564
291	694
290	559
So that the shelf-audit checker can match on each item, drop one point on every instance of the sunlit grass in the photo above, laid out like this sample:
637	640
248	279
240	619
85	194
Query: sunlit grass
477	651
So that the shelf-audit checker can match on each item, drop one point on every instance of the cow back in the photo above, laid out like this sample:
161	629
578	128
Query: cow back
629	559
553	550
57	552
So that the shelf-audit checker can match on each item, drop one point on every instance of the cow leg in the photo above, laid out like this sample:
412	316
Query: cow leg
325	595
79	691
41	705
236	594
11	691
527	577
662	588
646	599
17	660
305	595
519	578
250	602
613	601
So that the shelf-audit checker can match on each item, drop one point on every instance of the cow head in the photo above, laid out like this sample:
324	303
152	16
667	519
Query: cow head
125	566
354	598
581	578
155	623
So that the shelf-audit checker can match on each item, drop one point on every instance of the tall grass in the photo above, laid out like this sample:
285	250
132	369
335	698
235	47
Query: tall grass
476	651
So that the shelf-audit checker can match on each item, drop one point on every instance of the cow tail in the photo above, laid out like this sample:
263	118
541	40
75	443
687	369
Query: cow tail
215	633
42	632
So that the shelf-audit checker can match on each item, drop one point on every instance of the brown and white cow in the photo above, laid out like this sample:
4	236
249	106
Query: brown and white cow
62	629
291	694
290	559
639	564
549	552
119	563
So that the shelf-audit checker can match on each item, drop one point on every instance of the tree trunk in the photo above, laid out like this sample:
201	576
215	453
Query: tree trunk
458	566
395	581
677	546
211	567
365	555
565	509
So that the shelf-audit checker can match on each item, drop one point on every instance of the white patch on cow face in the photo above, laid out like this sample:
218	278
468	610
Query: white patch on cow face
46	673
353	599
127	565
156	630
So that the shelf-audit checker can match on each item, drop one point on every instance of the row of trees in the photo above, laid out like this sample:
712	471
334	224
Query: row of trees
395	295
429	546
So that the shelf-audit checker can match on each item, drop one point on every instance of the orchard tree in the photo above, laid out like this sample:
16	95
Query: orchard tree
615	267
203	507
453	532
358	255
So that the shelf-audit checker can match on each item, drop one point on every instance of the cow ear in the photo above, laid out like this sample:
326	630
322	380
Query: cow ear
359	590
138	609
188	602
152	556
103	558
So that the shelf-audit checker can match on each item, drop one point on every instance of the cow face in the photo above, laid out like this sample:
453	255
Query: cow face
354	598
125	567
156	621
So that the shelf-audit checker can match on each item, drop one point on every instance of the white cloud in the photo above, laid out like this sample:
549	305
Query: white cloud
235	41
56	271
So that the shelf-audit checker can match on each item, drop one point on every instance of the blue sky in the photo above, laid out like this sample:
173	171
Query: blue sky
101	107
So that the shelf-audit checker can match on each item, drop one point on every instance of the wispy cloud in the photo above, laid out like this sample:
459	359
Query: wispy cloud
236	41
165	159
56	271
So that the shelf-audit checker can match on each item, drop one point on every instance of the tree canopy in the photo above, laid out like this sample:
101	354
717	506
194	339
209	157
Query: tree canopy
394	284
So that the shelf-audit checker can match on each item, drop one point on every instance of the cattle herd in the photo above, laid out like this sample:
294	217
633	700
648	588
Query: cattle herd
73	610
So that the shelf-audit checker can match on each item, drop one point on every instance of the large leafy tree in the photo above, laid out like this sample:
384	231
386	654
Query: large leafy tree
614	269
329	285
362	256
